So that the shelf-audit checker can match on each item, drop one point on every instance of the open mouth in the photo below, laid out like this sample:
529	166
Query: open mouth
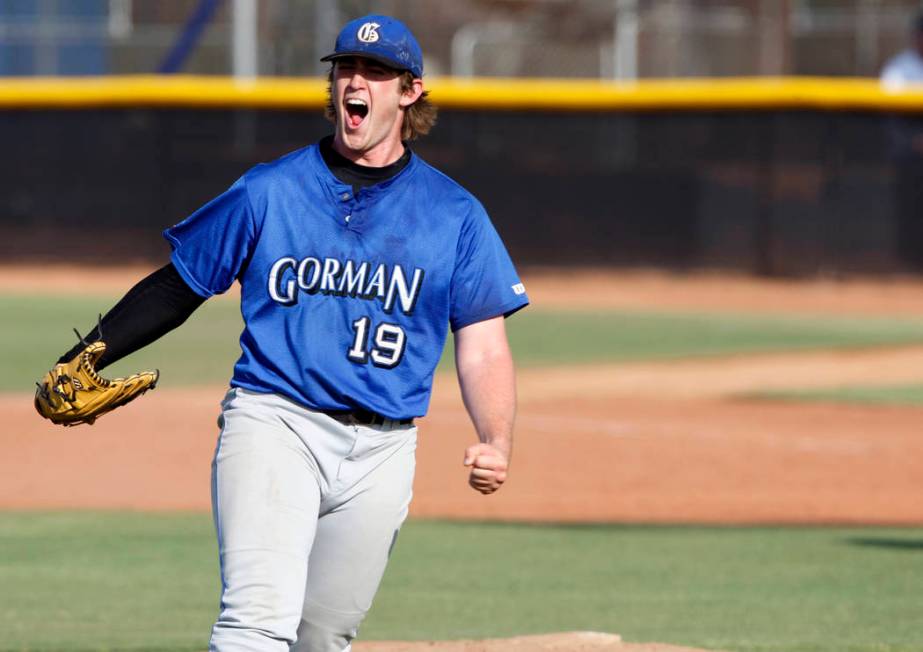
356	110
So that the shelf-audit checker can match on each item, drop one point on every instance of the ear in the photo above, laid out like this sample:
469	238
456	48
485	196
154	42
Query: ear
412	94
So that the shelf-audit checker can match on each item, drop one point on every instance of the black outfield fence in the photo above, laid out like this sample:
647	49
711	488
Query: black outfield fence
773	191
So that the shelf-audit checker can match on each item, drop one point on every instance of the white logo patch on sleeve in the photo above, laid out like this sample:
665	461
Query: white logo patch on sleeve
519	288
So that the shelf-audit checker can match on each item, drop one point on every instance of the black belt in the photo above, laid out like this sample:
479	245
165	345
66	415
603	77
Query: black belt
362	417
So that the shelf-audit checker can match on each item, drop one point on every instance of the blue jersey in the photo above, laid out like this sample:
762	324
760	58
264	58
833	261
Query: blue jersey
347	298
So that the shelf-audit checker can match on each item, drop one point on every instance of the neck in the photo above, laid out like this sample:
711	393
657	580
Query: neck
382	154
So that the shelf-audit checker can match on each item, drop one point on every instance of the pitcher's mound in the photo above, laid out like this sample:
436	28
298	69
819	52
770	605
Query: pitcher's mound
563	642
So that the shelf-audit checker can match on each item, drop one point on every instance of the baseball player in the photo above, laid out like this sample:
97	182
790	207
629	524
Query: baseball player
905	133
354	258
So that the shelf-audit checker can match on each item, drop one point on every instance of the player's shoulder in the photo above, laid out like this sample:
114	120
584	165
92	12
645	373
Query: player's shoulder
439	178
290	164
447	190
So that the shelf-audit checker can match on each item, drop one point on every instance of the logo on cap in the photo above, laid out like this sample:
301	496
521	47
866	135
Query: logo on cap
368	33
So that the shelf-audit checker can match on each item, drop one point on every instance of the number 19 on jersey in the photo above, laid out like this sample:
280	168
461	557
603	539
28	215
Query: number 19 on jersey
386	347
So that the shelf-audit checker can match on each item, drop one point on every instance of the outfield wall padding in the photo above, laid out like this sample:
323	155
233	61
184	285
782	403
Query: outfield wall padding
782	188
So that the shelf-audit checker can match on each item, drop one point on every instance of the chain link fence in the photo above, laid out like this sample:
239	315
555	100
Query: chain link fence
531	38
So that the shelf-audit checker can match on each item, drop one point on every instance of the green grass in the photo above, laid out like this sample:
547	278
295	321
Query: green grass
203	350
897	395
550	338
80	581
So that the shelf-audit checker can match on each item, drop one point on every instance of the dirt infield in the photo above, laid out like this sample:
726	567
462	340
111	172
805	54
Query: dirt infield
564	642
639	442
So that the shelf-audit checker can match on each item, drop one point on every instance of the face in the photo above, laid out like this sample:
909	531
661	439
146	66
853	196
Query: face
369	105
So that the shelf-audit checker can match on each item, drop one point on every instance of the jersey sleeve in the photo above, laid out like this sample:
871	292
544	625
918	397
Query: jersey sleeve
211	245
484	283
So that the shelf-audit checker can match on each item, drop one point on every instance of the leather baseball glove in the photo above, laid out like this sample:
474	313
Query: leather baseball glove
73	392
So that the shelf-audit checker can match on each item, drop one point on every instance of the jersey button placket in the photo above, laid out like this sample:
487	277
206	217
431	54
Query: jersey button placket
346	198
356	212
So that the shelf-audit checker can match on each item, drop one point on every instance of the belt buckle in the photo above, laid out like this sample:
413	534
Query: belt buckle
362	417
346	418
365	417
359	418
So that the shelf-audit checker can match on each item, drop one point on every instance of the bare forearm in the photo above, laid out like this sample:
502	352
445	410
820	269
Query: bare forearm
488	387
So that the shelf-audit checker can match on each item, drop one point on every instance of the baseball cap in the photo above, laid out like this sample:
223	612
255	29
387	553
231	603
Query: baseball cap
381	38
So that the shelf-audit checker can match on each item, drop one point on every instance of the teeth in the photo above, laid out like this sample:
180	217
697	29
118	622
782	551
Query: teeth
356	102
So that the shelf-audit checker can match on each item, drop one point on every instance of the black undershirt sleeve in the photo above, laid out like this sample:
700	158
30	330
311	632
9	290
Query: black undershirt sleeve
156	305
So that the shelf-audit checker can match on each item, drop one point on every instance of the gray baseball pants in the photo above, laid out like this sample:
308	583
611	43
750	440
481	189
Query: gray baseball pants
306	512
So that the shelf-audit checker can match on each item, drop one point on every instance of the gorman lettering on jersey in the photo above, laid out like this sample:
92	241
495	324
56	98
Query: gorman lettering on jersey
388	284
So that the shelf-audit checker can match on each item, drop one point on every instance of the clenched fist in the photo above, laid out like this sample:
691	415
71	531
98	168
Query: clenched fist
488	467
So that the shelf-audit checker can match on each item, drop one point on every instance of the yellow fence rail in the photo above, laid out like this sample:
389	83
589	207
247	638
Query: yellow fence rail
764	93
